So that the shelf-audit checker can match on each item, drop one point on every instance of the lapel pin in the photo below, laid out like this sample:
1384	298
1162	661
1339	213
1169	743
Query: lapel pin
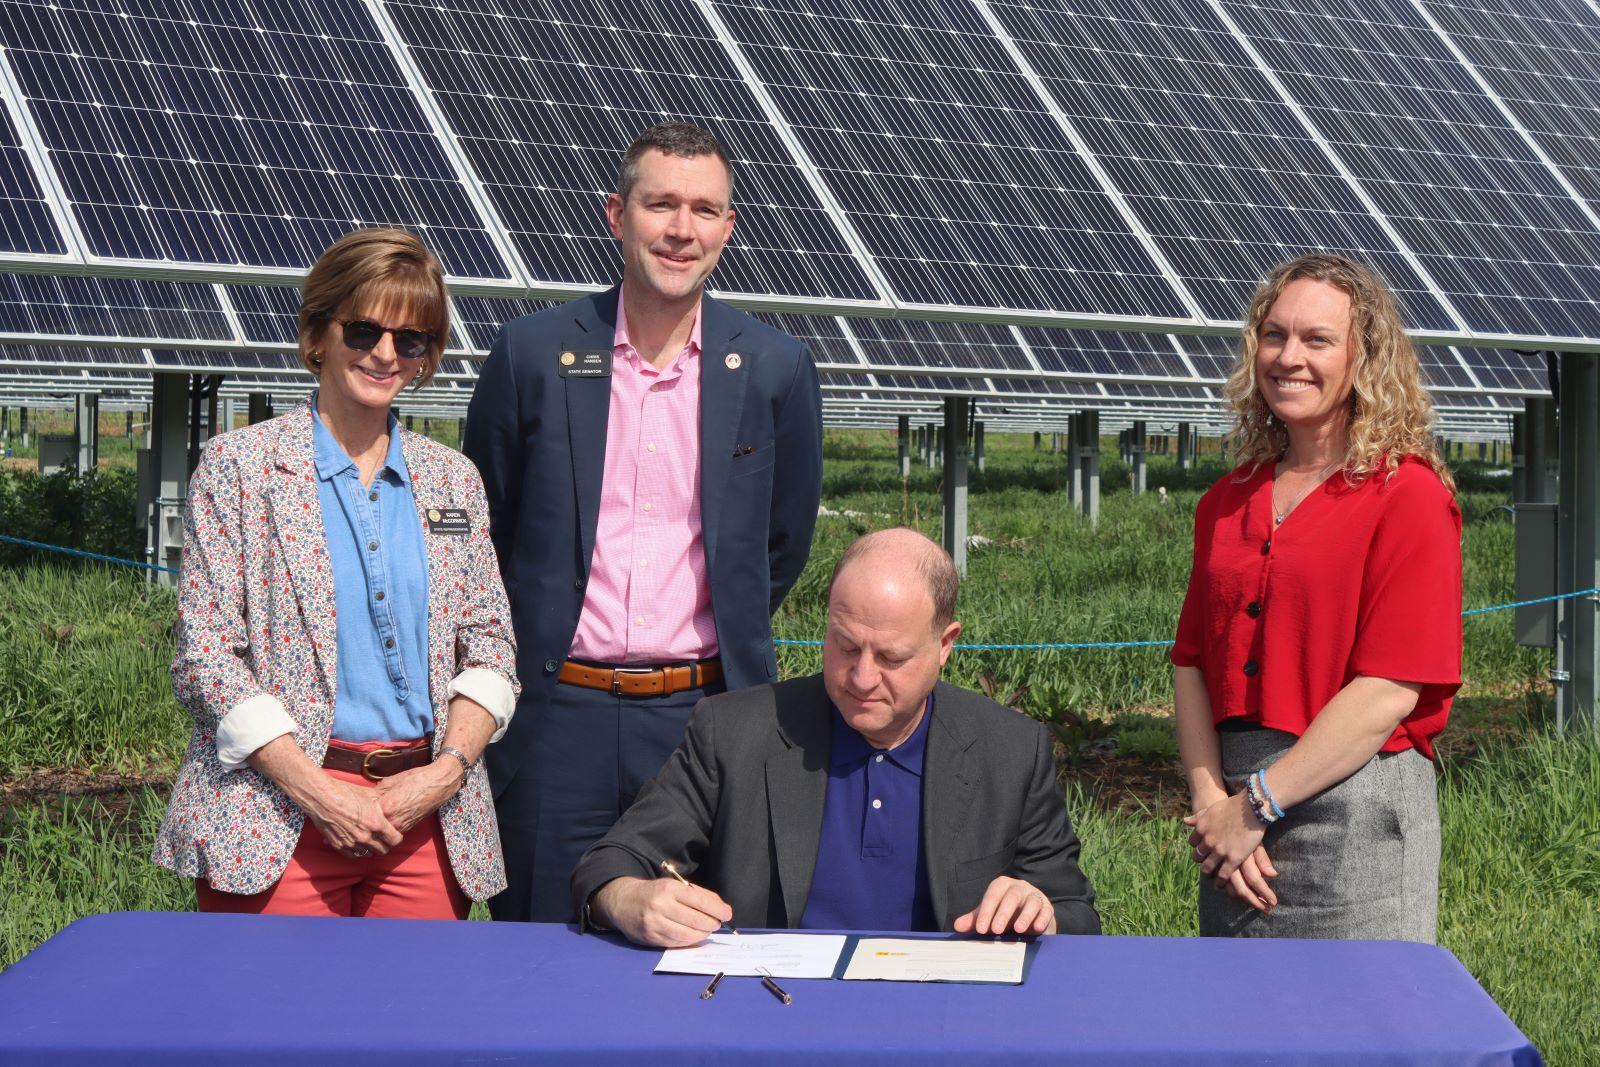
733	360
567	359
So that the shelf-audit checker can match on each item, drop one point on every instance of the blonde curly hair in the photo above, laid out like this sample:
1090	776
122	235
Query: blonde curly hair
1391	415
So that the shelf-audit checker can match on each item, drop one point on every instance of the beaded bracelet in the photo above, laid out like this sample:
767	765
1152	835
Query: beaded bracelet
1261	780
1253	794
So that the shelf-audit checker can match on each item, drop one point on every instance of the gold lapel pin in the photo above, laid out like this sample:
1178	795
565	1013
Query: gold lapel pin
568	359
733	360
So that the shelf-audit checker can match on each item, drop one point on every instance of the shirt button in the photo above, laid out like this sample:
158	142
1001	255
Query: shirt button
1253	609
388	643
640	620
372	496
650	448
1266	546
646	507
878	758
577	583
372	546
877	803
378	595
550	666
1251	668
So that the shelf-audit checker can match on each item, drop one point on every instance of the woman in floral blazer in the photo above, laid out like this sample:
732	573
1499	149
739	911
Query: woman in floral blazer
344	643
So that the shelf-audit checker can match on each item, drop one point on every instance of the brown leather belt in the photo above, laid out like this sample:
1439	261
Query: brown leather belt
642	681
379	763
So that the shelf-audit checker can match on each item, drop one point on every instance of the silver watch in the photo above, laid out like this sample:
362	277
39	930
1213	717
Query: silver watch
450	750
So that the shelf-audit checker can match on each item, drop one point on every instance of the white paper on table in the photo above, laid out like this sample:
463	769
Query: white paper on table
775	955
886	959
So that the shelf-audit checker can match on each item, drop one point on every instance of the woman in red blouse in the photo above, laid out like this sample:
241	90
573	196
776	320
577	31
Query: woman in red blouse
1320	641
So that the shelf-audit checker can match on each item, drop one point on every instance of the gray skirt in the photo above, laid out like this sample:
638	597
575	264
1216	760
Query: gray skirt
1358	860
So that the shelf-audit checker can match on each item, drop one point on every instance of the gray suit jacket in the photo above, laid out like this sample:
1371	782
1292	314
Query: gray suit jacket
739	808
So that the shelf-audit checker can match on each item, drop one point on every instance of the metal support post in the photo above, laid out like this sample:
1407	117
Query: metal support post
956	413
1036	440
1185	446
1138	445
1086	459
22	425
260	409
904	436
938	446
1577	672
163	473
1074	475
977	445
1535	453
86	432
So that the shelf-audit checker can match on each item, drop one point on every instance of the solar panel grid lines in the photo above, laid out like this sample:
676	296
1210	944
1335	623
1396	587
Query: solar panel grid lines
1539	63
963	187
544	96
234	134
1218	168
1101	354
46	307
30	221
1472	200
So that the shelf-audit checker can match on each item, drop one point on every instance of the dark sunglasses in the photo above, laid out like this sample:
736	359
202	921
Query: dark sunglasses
363	334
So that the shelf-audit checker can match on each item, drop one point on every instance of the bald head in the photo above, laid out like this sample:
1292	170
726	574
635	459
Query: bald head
894	556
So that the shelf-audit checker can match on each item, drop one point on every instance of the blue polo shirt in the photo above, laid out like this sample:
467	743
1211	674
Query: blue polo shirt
380	590
871	873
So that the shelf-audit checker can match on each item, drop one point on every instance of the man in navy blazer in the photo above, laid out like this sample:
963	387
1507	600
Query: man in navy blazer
653	462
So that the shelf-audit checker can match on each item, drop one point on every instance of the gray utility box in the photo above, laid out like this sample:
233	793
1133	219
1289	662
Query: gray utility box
57	452
1536	574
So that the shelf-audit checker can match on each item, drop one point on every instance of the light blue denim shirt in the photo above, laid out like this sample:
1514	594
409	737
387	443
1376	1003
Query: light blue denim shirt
380	585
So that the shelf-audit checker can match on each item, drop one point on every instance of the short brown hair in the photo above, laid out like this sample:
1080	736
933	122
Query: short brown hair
933	564
673	139
370	269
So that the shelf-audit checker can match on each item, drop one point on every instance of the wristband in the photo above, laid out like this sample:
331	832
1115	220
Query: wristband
449	750
1261	779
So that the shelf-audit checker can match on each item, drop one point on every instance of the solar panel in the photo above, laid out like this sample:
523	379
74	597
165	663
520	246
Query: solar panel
1541	58
26	222
1107	354
73	307
543	97
944	160
1490	222
1222	173
235	133
1504	371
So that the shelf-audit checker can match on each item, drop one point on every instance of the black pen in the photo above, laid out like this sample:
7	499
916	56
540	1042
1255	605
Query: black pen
666	865
711	987
772	987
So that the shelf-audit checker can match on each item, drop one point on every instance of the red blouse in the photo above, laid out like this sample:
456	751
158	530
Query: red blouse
1359	580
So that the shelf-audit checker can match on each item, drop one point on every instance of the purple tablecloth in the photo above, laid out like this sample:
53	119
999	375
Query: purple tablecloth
138	987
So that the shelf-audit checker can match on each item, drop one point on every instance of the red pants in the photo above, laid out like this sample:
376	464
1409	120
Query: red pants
412	881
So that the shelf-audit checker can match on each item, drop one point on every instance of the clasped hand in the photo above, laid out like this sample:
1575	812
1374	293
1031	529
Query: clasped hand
360	821
1227	845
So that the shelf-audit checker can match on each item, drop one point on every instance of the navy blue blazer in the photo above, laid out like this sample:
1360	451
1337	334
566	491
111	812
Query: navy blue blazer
539	440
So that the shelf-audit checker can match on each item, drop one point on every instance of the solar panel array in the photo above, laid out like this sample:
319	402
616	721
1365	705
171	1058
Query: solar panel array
986	173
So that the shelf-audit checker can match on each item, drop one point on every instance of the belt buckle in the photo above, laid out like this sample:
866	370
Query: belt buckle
366	772
617	672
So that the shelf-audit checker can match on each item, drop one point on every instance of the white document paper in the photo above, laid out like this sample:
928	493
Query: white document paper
774	955
921	960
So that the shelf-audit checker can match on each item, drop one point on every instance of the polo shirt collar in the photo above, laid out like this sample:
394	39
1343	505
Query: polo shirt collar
333	460
850	749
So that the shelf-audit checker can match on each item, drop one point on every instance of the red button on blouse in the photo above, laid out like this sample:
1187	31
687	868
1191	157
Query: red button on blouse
1359	580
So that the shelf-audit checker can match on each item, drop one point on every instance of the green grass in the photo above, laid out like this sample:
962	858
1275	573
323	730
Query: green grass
1521	810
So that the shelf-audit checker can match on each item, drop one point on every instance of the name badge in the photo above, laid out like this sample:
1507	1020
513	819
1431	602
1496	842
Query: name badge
451	522
585	363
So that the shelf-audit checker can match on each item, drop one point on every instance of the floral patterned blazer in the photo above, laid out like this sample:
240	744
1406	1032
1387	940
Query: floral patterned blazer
256	623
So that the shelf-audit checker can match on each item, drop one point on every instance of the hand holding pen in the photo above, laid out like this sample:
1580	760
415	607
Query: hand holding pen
727	924
666	912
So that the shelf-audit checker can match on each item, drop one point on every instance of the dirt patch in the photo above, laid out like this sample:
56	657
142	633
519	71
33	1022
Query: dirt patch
115	789
1133	786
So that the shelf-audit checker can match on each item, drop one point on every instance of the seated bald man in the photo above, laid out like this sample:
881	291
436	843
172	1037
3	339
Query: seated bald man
870	797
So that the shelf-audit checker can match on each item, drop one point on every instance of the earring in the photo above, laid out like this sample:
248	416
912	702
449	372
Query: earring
316	359
418	379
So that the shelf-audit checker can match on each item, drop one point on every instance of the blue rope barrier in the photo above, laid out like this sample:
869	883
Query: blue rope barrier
1078	646
1072	646
84	555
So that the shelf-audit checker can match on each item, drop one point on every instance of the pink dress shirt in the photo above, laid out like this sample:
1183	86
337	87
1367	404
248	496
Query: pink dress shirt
647	600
